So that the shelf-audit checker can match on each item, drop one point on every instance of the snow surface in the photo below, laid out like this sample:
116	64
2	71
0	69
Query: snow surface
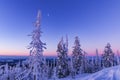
77	77
112	73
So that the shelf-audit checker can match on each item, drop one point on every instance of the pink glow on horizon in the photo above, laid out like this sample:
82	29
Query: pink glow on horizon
16	53
13	53
52	53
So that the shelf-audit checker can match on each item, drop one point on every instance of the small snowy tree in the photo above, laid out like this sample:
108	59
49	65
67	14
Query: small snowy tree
108	56
118	58
62	69
54	70
36	63
97	61
91	63
85	62
6	73
77	56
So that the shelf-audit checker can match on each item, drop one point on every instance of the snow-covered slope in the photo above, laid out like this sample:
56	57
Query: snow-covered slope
112	73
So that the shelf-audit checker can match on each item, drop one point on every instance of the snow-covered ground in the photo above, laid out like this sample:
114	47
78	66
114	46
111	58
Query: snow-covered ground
78	77
112	73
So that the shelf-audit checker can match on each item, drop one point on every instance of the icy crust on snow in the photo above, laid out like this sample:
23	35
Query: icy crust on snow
112	73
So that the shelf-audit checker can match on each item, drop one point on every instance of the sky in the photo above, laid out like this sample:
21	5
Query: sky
95	22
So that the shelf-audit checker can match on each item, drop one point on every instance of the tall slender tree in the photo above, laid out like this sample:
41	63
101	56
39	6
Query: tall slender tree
85	62
108	56
36	64
62	69
77	56
97	61
118	58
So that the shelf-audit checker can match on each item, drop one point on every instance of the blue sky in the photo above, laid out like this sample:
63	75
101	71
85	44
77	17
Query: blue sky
96	22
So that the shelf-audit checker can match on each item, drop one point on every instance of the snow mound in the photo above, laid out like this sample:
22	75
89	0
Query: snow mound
112	73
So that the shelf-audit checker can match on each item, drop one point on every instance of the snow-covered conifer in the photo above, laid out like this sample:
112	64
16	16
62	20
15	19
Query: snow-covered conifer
108	56
36	63
62	69
77	56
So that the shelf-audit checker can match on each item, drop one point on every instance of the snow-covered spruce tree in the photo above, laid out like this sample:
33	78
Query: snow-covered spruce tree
77	56
62	69
108	56
35	64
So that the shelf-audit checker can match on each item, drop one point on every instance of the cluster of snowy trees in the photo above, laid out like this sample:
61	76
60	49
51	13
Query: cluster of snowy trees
36	67
80	62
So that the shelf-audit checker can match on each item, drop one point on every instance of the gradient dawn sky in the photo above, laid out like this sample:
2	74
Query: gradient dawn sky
96	22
